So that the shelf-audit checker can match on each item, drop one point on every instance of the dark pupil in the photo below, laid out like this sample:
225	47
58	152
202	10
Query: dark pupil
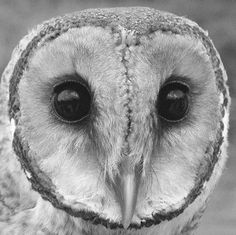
71	101
173	101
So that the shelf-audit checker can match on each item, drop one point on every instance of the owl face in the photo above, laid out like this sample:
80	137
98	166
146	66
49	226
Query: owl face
120	127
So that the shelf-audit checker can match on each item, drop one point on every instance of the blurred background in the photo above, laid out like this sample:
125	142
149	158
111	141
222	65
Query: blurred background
216	16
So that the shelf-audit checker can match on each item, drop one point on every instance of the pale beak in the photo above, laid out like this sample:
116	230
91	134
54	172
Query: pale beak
126	188
129	187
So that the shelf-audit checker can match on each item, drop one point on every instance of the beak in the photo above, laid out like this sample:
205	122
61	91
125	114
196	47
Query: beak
129	190
126	188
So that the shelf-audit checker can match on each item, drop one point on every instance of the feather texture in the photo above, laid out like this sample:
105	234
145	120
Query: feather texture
75	167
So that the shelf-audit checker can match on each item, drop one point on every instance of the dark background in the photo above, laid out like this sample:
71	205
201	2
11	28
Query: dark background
216	16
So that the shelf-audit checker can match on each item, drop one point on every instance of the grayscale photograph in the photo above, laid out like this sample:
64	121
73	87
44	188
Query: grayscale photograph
117	117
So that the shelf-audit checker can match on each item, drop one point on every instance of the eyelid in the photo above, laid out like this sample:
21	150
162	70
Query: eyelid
73	77
177	79
72	81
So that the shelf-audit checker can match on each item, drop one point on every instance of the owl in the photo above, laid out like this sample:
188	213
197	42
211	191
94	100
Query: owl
113	121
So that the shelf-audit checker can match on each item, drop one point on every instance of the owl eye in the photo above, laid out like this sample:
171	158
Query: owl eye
71	101
173	101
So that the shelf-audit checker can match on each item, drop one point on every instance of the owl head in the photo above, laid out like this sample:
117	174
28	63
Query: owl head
120	115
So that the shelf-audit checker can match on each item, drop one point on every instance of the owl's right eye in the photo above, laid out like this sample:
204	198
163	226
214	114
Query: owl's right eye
71	101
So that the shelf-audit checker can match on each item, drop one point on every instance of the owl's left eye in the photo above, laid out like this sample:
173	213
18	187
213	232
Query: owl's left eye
173	101
71	101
